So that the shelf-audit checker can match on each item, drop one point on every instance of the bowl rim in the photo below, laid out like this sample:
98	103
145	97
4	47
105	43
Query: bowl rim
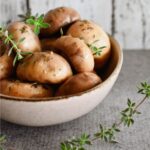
66	97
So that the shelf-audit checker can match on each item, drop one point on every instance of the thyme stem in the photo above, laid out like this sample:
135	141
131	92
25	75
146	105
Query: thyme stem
108	134
140	103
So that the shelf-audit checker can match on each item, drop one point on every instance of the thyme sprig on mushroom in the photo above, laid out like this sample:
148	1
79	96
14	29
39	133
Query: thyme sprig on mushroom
38	23
96	50
8	40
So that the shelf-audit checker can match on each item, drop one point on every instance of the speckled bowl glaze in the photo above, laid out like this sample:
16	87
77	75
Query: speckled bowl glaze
56	110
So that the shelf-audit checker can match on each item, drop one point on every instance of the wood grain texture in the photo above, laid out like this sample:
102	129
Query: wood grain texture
127	20
92	9
131	23
9	9
145	5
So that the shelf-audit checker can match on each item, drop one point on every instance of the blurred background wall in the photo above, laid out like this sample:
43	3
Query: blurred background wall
127	20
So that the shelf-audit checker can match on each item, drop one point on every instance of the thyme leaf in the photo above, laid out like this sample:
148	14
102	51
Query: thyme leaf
2	141
109	134
37	22
8	40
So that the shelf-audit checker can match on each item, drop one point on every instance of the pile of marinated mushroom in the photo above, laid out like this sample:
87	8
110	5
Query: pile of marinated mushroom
55	54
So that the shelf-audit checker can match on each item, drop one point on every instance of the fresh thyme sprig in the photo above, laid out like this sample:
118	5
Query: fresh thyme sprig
8	40
2	141
76	143
108	134
96	50
144	89
37	22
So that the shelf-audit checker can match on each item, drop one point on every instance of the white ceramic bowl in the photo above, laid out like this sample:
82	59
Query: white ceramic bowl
50	111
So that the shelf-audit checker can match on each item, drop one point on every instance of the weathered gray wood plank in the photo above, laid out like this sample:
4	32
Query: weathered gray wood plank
132	23
127	20
9	9
145	6
96	10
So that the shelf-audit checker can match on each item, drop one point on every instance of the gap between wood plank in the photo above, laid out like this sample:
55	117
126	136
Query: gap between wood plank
113	22
28	5
143	20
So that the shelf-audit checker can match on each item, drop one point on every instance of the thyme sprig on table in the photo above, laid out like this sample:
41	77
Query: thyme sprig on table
38	23
108	134
2	141
144	89
76	143
8	40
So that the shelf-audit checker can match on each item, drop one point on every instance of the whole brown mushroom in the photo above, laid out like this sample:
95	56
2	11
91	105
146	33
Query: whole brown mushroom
58	18
6	62
23	89
79	83
44	67
94	36
21	31
75	51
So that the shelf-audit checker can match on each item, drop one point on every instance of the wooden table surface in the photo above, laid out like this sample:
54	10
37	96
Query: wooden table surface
136	68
